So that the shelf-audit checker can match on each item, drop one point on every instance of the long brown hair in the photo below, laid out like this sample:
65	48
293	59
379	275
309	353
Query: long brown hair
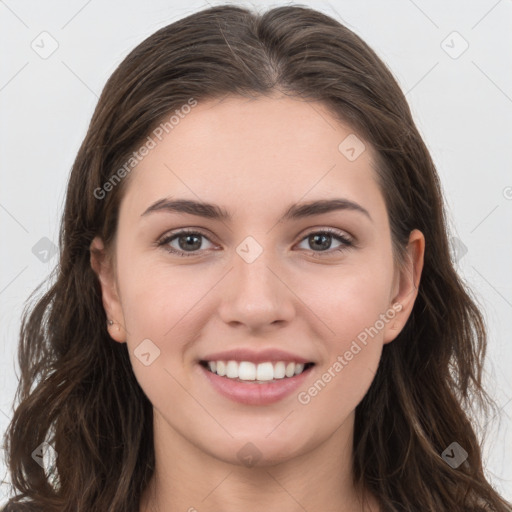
77	390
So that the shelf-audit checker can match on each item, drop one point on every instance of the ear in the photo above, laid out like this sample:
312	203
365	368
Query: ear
406	286
102	264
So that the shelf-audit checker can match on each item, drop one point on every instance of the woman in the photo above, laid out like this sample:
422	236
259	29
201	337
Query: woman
205	345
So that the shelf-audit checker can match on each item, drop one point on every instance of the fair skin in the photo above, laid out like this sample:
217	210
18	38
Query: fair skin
255	158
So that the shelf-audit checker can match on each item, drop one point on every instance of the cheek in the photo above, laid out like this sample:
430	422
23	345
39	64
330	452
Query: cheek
352	301
356	309
339	386
155	295
353	307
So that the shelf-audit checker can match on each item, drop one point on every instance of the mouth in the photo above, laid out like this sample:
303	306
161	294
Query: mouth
261	373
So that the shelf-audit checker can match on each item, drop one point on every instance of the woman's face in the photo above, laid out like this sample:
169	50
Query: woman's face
258	287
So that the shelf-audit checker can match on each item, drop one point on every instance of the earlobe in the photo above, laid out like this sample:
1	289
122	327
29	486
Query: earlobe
408	285
102	266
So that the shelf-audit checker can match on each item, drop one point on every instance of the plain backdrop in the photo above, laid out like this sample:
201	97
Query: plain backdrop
451	58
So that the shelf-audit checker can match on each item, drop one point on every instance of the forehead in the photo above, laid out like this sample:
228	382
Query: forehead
271	127
254	152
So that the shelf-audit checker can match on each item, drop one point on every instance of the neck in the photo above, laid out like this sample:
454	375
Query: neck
188	479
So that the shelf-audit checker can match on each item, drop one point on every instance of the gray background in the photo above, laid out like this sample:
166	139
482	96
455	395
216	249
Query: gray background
461	99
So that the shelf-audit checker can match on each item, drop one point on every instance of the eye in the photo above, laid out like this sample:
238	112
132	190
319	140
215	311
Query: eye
189	242
186	239
322	240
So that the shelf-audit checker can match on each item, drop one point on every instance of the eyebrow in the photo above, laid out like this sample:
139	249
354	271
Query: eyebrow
215	212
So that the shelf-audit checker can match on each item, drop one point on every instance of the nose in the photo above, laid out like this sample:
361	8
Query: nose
256	294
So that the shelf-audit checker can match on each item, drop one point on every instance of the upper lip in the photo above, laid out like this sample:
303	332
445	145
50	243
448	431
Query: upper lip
261	356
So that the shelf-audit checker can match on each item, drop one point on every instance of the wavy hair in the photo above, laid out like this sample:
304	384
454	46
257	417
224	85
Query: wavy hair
77	390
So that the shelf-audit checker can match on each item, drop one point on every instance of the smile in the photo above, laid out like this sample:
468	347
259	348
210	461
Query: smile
251	383
262	372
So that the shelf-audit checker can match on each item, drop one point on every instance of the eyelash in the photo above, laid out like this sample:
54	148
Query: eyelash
347	243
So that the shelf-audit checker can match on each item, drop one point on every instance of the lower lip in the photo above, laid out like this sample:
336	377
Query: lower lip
254	393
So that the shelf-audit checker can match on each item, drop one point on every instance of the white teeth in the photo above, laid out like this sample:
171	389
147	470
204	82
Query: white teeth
232	370
262	372
221	368
279	370
265	371
246	370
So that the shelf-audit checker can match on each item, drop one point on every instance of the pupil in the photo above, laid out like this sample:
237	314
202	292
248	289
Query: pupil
188	237
325	237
